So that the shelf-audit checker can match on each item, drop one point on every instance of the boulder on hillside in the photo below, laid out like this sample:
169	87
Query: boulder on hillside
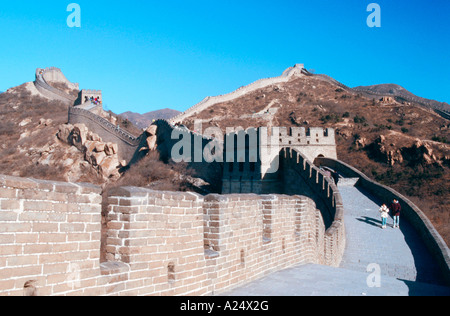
151	130
151	142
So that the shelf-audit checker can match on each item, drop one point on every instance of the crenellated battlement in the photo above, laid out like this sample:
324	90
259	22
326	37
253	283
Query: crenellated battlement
301	136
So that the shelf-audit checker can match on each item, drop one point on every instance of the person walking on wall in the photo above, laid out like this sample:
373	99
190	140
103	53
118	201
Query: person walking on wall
335	176
396	208
384	210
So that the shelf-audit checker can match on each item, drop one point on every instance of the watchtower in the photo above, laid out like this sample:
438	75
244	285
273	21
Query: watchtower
86	95
251	159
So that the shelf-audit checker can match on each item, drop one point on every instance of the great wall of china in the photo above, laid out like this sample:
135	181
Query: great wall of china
209	101
53	242
54	74
287	75
128	144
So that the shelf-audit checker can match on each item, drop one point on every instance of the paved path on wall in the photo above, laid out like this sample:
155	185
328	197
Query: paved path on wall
405	265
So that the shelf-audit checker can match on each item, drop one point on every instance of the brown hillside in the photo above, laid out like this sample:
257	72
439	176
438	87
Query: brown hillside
400	144
29	147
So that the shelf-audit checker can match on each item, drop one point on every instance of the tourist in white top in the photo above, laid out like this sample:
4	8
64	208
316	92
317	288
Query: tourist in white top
384	210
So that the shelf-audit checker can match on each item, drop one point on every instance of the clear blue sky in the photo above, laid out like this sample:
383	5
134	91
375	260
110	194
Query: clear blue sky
148	55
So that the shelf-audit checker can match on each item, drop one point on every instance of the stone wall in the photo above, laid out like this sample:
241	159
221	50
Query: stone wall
410	212
186	244
301	176
49	236
158	243
50	92
128	144
250	236
53	74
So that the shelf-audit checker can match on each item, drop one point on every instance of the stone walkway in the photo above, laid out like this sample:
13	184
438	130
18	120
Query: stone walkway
405	266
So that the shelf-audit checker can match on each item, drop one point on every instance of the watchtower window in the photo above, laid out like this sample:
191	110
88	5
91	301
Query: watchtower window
241	167
230	167
252	166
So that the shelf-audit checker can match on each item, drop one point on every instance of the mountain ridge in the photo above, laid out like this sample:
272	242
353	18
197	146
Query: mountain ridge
146	119
392	89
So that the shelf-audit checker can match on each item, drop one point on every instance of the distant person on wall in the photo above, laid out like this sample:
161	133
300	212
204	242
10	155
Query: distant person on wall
335	177
384	210
396	208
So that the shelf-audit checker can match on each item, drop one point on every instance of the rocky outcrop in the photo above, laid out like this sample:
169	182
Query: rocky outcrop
151	139
417	153
103	157
420	153
385	151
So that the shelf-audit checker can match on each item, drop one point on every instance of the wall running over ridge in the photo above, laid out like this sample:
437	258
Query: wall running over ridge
50	92
157	243
262	83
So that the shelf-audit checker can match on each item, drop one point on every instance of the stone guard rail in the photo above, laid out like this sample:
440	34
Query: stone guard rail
433	240
298	171
105	124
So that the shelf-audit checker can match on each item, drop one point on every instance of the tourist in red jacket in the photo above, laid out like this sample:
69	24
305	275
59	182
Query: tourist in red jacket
396	208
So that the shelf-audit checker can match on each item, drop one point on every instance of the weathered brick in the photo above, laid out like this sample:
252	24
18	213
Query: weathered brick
78	237
20	183
65	187
37	206
45	227
29	216
7	239
7	193
52	237
27	238
10	205
15	227
7	216
37	249
72	227
23	260
10	250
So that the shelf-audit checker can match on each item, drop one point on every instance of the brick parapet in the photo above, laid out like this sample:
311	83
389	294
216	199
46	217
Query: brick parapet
158	243
49	233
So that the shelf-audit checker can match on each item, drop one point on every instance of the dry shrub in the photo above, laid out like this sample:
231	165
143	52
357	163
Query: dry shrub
152	172
44	172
